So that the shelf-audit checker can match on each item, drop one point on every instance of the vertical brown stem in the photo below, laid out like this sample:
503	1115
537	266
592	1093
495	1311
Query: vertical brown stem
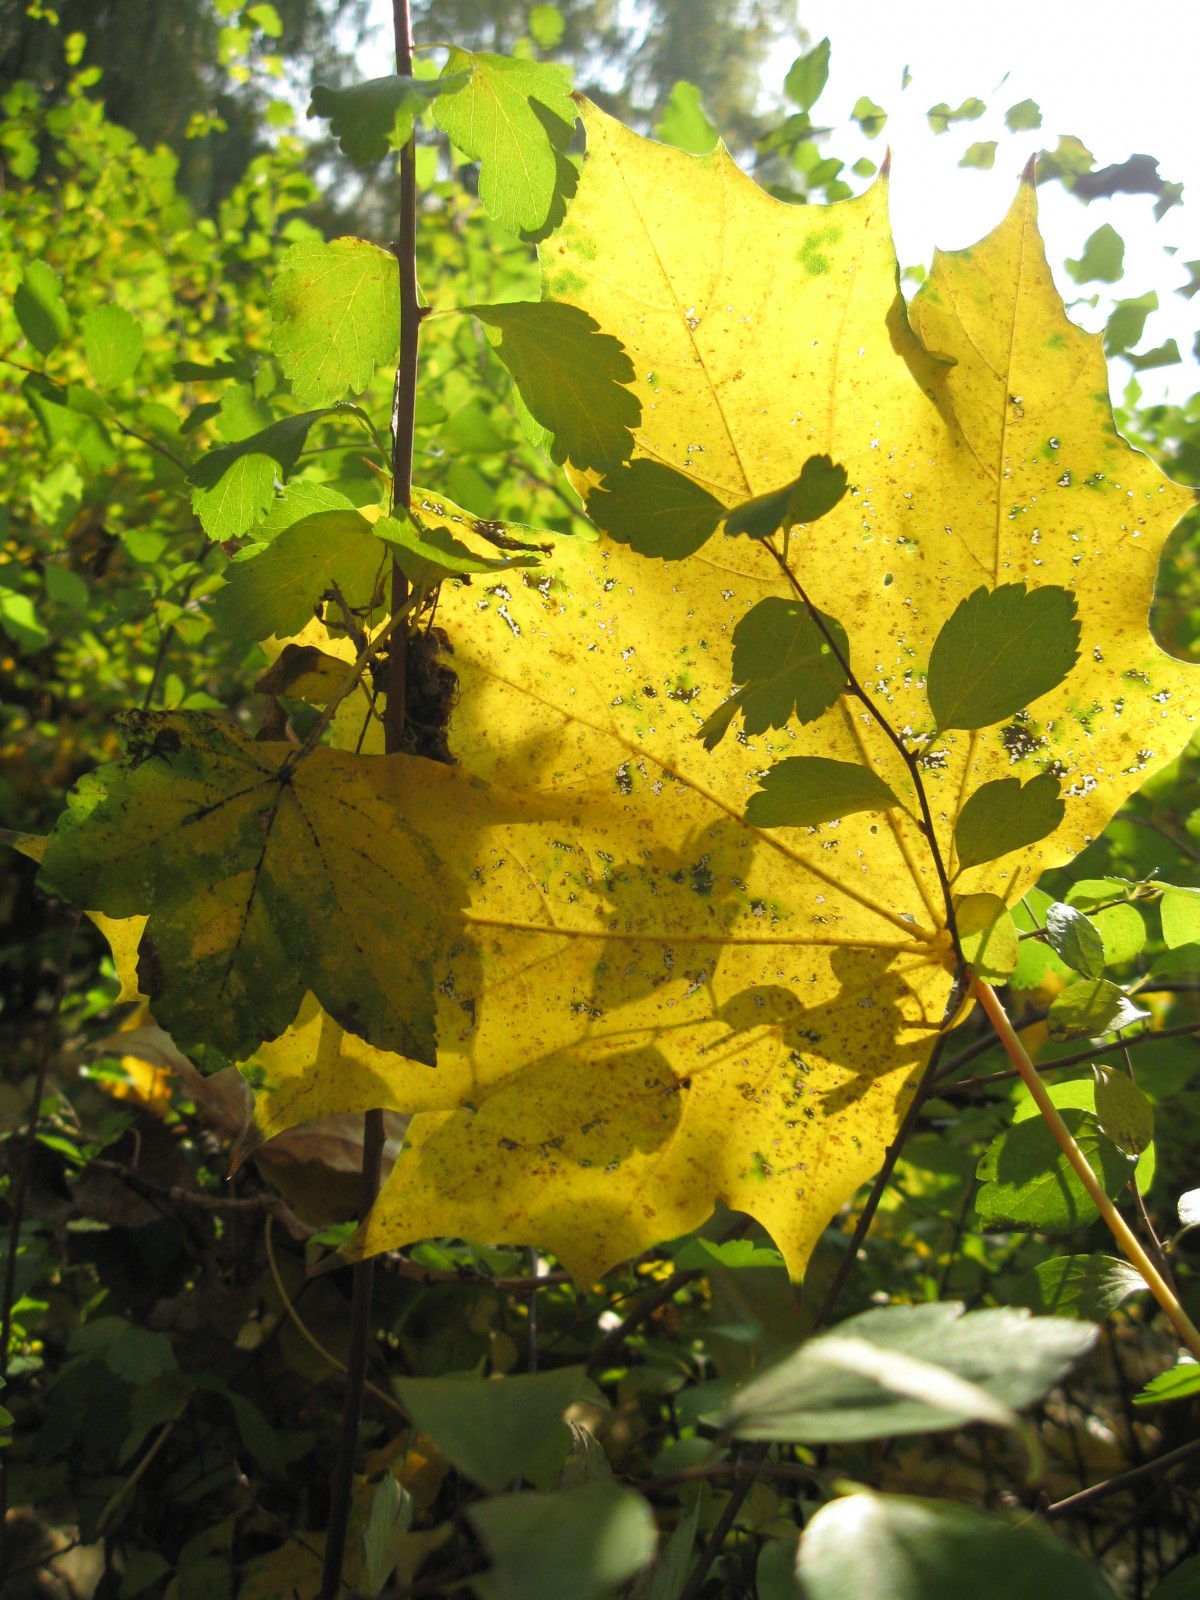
404	406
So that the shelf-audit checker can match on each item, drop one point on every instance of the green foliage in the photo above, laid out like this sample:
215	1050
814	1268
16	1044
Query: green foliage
1001	649
802	791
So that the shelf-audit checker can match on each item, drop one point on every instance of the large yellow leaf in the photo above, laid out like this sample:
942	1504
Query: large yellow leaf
649	1004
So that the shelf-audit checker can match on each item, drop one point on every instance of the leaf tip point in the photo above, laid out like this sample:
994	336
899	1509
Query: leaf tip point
885	166
1029	172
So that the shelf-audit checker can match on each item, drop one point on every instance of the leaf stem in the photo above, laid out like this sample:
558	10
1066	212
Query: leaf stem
1118	1227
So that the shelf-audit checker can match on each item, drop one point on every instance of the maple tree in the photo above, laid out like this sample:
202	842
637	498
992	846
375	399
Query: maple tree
739	804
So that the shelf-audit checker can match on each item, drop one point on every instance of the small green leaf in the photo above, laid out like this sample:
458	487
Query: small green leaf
369	119
981	154
1027	1183
1127	323
1006	815
39	307
655	510
600	1534
685	123
988	936
277	589
1025	115
1090	1287
1000	650
390	1518
1123	1111
234	484
1073	937
870	117
786	665
1123	931
734	1254
517	119
1090	1009
546	26
428	554
571	376
336	314
1103	257
1180	911
1180	1383
807	77
803	791
1089	893
941	115
820	486
112	341
667	1576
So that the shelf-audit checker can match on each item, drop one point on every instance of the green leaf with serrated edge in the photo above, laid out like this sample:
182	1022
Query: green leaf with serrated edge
571	376
517	119
276	591
655	510
301	498
335	310
1180	911
39	308
820	486
807	77
906	1549
786	666
112	342
1090	1009
233	485
1089	893
1090	1287
369	119
1103	258
263	878
1123	932
1012	1358
1027	1183
702	1254
1026	114
987	935
684	122
1006	815
999	651
1073	937
428	554
803	791
1123	1111
1180	1383
492	1431
599	1534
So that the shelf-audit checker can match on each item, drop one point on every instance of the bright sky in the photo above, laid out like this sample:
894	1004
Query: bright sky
1118	74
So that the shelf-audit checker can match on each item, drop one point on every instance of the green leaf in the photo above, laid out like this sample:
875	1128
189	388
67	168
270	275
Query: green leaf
807	77
263	878
1089	893
1123	1111
390	1518
1123	931
1075	940
1127	323
1163	355
301	498
981	154
1091	1287
803	791
775	1570
1025	115
336	314
1103	257
546	26
941	116
786	666
734	1254
1000	650
276	591
1028	1184
428	554
1006	815
667	1576
39	307
599	1535
1090	1009
820	486
877	1544
112	341
988	936
234	484
571	376
655	510
816	1395
369	119
517	119
1180	1383
1180	911
494	1430
1181	1583
870	117
685	123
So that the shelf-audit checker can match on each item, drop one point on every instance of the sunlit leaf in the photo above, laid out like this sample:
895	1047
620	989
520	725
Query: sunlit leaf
1000	650
275	591
1006	815
786	667
807	77
39	307
234	484
803	791
1090	1009
336	314
987	936
684	121
1123	1110
369	119
1103	257
112	340
1073	937
1091	1287
1027	1182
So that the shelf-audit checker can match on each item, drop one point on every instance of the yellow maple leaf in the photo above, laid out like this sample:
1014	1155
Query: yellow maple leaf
650	1005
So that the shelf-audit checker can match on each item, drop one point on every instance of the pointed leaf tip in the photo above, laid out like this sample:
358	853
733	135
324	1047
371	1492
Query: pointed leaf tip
885	166
1029	171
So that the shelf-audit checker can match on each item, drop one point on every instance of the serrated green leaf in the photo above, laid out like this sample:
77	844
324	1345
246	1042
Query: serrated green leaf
1180	911
234	484
1026	114
786	666
571	376
685	123
39	308
803	791
277	589
1005	815
818	489
263	878
734	1254
112	341
1123	1111
336	314
1088	893
428	554
517	119
369	119
999	651
1090	1009
987	935
1180	1383
807	77
1028	1184
1103	257
1073	937
1123	931
1091	1287
655	510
